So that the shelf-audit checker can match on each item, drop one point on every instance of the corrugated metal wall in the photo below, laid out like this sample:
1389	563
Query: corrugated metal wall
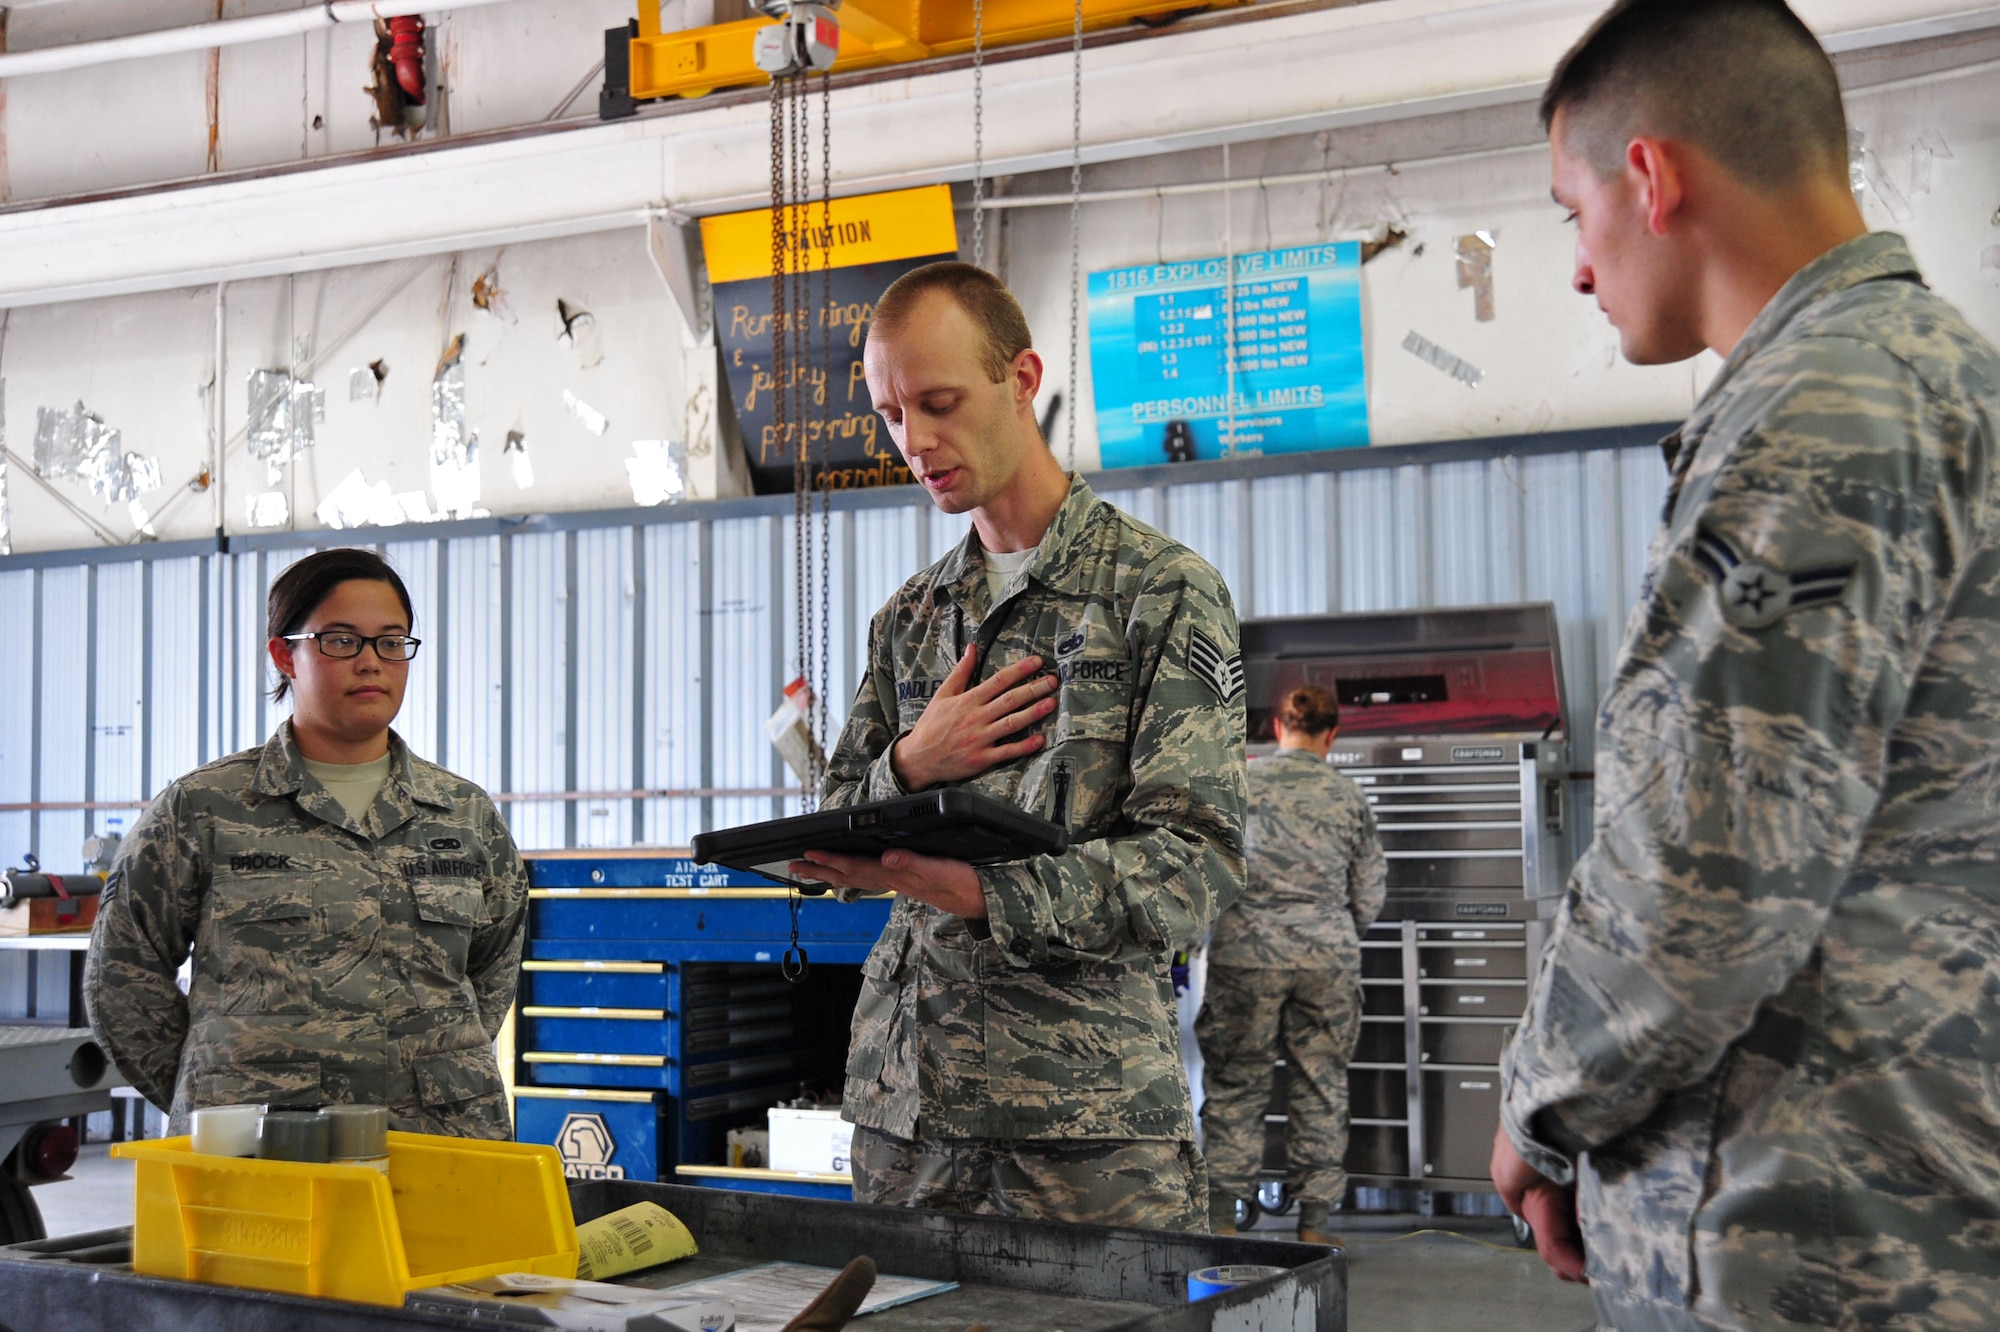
596	662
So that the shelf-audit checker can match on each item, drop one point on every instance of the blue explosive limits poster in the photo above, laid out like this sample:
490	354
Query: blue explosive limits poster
1157	340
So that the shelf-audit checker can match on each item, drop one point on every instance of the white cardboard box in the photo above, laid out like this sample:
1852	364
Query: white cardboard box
810	1140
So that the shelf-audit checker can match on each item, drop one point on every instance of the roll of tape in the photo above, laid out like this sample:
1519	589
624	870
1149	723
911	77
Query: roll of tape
357	1132
226	1130
1211	1281
292	1135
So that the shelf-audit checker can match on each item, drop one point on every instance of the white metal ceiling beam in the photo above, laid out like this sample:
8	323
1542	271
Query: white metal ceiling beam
223	32
1294	73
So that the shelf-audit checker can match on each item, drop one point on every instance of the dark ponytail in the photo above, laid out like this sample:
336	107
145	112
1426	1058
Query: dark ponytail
1310	710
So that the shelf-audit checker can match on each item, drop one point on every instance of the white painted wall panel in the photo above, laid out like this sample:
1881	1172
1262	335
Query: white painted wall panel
176	663
417	564
1290	572
606	594
119	709
537	711
674	681
18	702
64	707
746	643
469	656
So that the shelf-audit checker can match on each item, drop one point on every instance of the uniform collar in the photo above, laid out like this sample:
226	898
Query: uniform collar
1870	258
1305	754
1058	562
281	771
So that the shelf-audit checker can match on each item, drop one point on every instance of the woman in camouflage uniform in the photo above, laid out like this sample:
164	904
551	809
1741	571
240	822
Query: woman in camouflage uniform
1284	971
354	914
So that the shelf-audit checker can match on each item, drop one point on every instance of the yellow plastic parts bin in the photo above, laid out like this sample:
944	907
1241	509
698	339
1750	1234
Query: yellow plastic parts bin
450	1209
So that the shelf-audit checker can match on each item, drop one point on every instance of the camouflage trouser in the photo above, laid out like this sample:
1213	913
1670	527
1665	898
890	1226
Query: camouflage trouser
1150	1185
1250	1019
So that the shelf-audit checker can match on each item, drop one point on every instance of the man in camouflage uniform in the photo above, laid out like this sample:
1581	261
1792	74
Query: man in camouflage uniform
1761	1044
1015	1048
337	958
1284	972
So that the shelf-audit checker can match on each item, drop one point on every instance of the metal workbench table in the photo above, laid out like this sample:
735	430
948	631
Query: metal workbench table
1014	1276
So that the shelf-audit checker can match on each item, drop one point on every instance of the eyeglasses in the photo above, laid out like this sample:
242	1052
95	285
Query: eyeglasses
340	643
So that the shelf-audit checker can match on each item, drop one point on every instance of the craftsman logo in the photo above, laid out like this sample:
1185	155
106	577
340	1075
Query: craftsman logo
1220	671
586	1147
1344	757
1498	909
438	867
1071	645
1092	671
1756	596
259	860
1478	754
446	844
916	691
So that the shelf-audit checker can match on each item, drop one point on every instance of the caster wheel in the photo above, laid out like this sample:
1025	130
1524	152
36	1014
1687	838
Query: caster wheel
1524	1234
1274	1198
1247	1212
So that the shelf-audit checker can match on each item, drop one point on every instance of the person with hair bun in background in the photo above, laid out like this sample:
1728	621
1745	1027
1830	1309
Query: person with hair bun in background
354	914
1284	971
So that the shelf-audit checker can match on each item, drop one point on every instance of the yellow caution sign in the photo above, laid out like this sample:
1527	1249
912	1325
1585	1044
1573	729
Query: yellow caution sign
861	229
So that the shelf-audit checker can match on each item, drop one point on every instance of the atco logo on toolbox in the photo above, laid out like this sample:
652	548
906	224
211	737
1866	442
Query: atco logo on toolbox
586	1147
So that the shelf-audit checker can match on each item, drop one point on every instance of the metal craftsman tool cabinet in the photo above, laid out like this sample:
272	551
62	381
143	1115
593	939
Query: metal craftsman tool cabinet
1453	723
653	1016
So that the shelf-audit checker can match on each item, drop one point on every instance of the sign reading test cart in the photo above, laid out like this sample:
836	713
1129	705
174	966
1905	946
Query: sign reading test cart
1158	337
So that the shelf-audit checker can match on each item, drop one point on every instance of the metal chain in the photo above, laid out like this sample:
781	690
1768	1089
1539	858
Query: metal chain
979	132
1075	215
822	730
784	240
793	408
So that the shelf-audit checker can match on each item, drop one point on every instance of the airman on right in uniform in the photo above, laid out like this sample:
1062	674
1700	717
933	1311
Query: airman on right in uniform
1755	1084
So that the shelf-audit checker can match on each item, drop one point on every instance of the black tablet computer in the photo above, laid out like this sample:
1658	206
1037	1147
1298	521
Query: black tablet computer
952	822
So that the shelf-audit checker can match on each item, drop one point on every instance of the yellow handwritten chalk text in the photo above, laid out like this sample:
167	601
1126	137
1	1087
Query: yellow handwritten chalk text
776	444
881	472
861	229
762	381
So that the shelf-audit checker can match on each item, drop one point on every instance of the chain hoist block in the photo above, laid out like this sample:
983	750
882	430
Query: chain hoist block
806	38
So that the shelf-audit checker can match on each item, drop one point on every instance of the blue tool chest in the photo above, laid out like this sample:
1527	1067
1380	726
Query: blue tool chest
652	1016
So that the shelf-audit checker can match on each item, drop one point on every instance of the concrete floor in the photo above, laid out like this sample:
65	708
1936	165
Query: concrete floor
1408	1282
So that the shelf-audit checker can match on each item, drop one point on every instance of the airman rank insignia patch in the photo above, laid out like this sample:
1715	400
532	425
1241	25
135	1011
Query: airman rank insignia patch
1219	671
1756	596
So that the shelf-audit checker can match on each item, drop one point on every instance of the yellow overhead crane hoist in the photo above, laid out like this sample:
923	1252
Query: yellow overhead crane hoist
644	64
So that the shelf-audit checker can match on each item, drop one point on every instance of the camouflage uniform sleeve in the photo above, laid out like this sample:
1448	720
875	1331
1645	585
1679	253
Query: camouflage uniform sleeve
1742	749
1178	858
493	964
1367	874
859	770
146	922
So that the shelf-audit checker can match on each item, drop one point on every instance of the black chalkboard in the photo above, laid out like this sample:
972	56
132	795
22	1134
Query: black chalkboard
840	417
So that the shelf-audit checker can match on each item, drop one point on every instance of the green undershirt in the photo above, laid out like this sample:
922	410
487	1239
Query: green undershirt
354	785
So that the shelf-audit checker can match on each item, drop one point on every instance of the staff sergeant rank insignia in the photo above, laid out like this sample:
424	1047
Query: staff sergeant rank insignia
1223	674
1755	596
